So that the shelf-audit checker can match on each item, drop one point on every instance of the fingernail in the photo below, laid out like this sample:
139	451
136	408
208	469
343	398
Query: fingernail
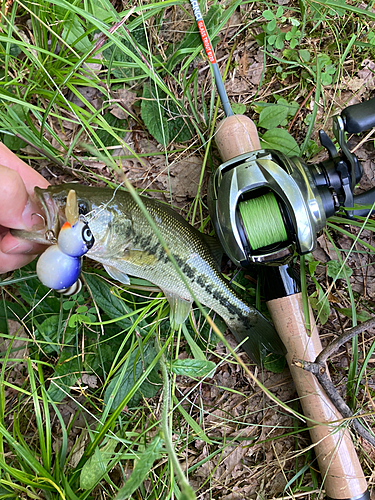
19	247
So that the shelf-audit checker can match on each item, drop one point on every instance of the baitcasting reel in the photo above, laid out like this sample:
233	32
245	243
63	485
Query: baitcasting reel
265	205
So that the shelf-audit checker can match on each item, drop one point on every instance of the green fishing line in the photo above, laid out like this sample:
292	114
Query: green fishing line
263	221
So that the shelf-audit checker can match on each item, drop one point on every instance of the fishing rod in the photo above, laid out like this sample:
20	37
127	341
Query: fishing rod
211	57
266	207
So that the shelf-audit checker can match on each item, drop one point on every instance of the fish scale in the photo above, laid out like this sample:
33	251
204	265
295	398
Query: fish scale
126	245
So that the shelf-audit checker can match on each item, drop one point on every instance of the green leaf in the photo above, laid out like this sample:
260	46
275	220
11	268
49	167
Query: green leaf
192	367
281	140
272	116
279	42
271	26
136	365
273	362
51	331
67	372
9	310
280	11
68	305
141	469
154	117
12	141
8	494
336	270
320	303
107	301
192	423
118	126
96	466
304	55
313	264
238	108
348	312
74	35
179	129
195	349
291	106
268	14
121	64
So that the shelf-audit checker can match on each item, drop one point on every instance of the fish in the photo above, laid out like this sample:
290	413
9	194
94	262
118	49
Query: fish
126	245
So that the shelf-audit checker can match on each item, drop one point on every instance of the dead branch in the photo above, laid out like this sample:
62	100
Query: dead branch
321	373
342	339
319	369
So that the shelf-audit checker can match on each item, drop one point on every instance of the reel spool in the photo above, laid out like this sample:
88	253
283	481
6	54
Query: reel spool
265	205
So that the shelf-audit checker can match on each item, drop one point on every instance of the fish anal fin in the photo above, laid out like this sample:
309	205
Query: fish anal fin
179	309
117	275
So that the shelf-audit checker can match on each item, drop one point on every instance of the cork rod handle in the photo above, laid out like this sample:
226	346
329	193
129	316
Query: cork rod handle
236	135
338	462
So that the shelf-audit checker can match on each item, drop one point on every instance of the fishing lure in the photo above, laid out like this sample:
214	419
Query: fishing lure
60	265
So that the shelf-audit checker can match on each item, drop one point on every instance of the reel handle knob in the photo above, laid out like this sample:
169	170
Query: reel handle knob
236	135
359	117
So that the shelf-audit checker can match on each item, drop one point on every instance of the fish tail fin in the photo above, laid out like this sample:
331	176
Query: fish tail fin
260	341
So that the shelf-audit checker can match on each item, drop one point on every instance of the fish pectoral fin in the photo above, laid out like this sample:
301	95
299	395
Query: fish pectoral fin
179	309
216	250
117	275
139	257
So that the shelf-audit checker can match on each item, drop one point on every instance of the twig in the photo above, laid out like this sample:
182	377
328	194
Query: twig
299	109
342	339
319	369
321	373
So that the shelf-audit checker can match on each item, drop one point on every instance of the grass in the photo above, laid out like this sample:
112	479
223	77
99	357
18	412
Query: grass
99	396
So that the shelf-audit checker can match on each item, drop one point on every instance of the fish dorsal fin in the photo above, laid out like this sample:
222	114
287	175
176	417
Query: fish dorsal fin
216	250
180	309
117	275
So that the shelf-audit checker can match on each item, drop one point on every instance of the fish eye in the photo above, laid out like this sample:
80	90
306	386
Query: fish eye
83	208
87	236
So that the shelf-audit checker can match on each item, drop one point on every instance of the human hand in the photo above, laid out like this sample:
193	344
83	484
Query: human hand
17	182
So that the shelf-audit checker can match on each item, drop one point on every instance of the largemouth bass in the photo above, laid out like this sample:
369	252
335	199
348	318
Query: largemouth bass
126	245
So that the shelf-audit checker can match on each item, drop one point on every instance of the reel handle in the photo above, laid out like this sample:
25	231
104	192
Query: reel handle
359	117
338	462
366	198
236	135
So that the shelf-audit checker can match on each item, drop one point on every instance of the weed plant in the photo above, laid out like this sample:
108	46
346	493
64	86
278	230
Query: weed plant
100	398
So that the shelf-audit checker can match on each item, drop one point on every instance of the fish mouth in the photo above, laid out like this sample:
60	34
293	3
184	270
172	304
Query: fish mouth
51	213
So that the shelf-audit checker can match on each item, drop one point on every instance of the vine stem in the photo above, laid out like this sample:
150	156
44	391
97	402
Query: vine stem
186	489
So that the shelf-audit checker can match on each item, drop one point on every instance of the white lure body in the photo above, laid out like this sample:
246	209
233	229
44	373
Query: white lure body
60	265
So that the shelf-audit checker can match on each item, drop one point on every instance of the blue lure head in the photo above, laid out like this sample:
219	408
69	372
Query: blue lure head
60	265
75	240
